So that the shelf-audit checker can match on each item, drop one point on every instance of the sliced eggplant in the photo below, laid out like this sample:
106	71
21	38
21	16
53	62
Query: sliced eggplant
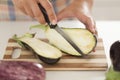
83	38
47	53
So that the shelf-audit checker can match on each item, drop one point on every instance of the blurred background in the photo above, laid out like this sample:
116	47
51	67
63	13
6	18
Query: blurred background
102	10
106	9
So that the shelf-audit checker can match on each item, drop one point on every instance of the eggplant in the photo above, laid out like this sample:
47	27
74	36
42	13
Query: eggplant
112	74
21	70
114	71
115	55
83	38
46	52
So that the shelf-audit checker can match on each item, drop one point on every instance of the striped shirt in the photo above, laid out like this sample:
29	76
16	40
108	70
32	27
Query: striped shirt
10	13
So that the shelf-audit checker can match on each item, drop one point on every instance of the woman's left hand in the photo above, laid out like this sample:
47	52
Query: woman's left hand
80	9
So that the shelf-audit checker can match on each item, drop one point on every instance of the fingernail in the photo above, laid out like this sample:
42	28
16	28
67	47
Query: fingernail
54	22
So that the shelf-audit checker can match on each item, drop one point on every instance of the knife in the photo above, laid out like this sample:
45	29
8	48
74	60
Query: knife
60	31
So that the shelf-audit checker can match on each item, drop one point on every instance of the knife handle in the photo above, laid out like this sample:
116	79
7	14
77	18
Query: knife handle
44	13
46	16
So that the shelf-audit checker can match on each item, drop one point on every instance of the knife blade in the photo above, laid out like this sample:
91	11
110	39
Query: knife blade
60	31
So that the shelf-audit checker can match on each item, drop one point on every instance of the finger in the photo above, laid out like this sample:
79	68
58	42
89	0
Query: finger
50	11
96	32
37	12
28	8
90	24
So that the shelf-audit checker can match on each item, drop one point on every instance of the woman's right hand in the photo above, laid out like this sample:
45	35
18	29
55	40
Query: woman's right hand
30	7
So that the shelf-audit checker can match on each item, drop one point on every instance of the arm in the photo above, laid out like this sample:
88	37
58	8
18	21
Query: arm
81	9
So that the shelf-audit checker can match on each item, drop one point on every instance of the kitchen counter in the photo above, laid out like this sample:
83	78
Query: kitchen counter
107	30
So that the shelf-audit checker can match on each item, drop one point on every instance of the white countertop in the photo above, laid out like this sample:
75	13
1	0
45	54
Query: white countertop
109	31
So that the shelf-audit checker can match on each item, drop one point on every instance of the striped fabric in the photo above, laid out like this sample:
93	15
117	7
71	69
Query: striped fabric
9	13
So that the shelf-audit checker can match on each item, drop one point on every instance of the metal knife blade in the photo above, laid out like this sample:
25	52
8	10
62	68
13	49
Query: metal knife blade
60	31
66	37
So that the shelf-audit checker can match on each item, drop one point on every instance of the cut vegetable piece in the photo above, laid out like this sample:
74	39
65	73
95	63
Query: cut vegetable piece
83	38
44	51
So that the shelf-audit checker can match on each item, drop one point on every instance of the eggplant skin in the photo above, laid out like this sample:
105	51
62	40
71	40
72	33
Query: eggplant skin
21	70
44	59
115	55
48	60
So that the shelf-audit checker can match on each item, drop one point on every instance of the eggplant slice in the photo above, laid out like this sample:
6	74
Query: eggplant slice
83	38
47	53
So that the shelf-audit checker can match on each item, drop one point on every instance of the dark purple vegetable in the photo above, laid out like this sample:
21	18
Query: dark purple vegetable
115	55
21	70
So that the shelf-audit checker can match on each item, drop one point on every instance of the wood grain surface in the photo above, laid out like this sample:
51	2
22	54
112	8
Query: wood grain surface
94	61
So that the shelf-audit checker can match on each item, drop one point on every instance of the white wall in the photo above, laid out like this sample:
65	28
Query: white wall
106	9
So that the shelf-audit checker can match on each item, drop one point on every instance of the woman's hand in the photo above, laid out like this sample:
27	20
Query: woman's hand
80	9
30	7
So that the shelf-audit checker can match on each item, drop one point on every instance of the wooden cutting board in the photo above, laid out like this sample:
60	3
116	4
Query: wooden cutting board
94	61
